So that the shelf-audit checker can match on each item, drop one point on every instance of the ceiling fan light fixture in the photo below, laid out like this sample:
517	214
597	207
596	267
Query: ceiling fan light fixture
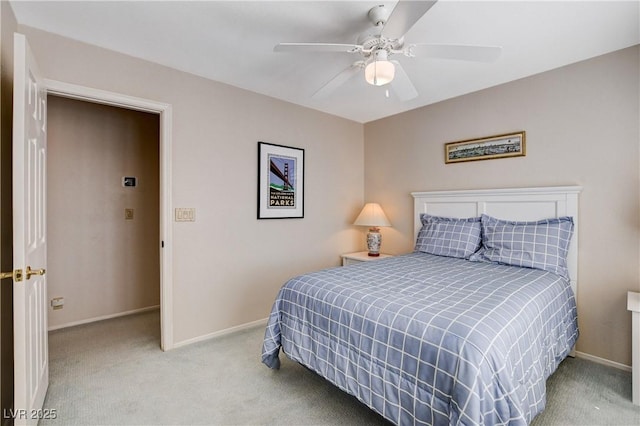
379	71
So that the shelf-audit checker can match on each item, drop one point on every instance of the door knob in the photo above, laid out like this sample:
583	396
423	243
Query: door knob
16	275
30	272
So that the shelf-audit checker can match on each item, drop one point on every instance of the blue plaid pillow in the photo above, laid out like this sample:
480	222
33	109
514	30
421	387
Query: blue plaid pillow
448	236
542	244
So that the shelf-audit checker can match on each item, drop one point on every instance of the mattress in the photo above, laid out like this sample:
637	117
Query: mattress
425	339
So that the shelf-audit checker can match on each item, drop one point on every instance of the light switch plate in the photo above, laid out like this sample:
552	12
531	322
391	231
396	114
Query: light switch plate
128	214
185	214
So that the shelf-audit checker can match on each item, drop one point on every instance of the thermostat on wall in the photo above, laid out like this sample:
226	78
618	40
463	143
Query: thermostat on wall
129	181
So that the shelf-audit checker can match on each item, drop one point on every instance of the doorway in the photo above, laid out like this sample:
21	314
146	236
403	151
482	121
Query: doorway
42	87
102	211
164	112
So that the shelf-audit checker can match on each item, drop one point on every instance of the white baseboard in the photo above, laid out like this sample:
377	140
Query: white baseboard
603	361
263	322
104	317
222	332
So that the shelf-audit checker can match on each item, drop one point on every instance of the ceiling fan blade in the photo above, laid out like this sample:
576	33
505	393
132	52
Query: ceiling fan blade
456	51
338	80
317	47
404	16
401	84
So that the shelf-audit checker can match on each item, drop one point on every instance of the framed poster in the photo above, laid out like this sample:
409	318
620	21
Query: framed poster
280	181
499	146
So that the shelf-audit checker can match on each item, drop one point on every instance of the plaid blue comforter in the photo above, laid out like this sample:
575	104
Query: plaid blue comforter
424	339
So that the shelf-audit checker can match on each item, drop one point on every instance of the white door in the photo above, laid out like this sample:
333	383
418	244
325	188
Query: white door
31	357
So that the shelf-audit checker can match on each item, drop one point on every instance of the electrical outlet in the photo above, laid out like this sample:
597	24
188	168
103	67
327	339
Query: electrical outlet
57	303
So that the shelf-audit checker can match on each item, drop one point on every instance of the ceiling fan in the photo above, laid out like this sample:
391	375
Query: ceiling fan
377	45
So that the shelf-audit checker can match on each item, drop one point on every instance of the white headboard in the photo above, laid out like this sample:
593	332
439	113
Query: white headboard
509	204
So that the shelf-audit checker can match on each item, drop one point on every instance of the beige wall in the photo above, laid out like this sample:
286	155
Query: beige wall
8	25
99	262
582	124
228	265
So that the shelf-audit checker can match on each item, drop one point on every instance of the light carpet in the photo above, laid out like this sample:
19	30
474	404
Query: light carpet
114	373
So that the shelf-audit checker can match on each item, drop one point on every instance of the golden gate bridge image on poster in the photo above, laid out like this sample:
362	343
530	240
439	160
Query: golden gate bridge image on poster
282	184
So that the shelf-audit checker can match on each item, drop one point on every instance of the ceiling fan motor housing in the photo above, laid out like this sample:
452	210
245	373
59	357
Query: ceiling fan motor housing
372	39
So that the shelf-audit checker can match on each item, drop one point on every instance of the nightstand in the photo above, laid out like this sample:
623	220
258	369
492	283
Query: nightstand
633	305
361	256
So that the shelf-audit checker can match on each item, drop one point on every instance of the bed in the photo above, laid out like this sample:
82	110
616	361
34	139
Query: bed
447	334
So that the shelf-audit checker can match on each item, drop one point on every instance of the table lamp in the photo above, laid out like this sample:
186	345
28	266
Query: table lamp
373	216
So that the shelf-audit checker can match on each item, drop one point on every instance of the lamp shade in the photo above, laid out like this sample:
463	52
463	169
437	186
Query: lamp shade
372	215
379	71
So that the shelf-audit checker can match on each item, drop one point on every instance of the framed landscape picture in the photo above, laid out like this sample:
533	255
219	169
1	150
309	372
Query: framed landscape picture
499	146
280	181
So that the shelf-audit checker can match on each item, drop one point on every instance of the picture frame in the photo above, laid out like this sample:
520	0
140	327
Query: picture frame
280	181
487	148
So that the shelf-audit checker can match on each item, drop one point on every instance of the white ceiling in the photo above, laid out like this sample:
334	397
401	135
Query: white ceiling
232	42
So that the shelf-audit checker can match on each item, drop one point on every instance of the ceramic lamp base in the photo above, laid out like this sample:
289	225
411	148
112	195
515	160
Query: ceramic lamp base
374	241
